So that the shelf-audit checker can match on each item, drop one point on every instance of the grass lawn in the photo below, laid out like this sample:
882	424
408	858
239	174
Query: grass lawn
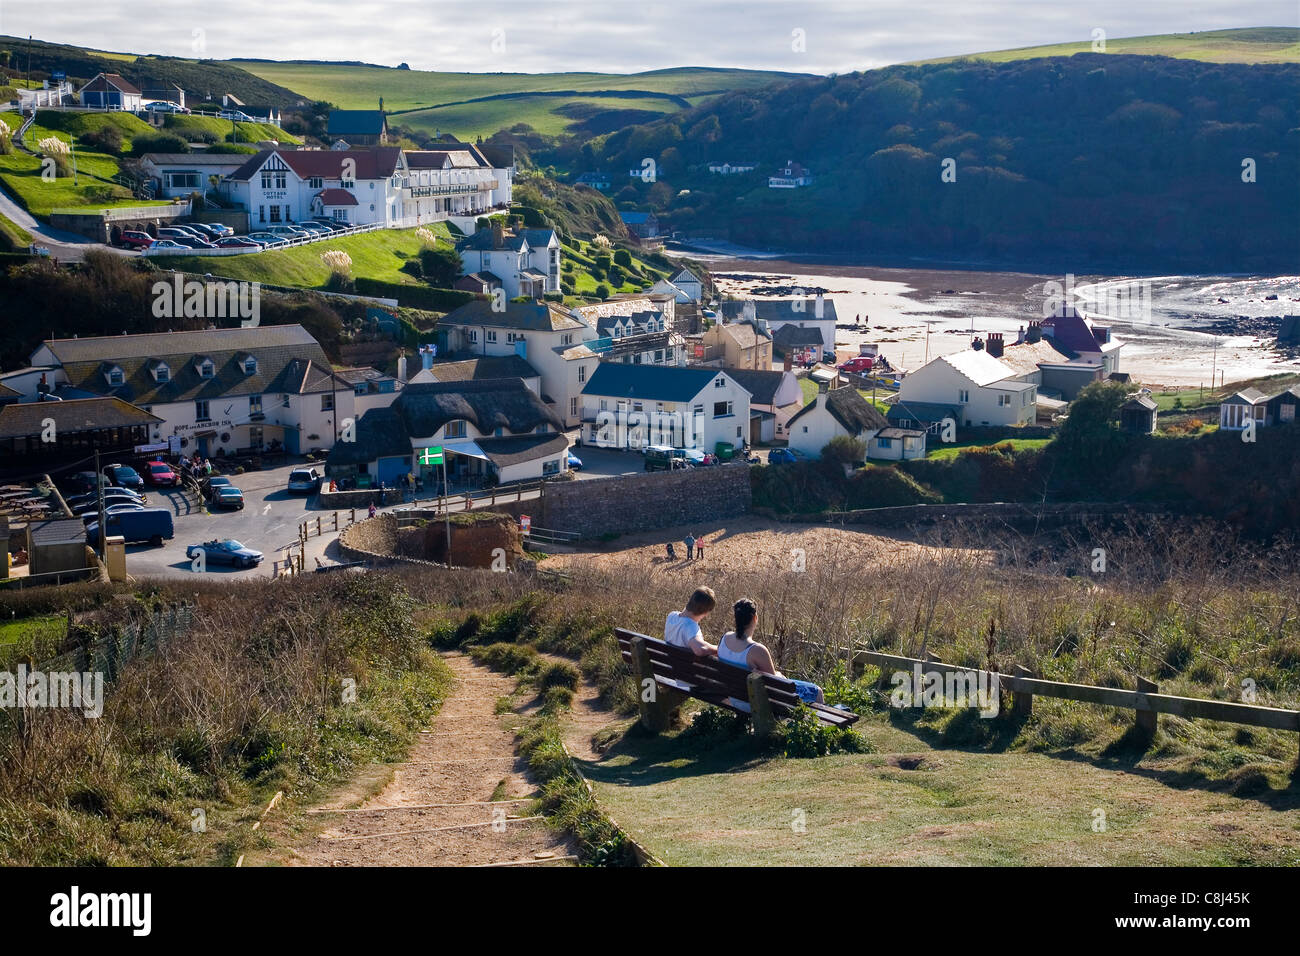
809	389
721	804
35	637
1247	45
641	277
956	448
188	126
12	234
375	255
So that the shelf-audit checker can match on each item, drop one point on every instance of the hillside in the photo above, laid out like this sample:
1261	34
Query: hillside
1104	160
480	104
1244	45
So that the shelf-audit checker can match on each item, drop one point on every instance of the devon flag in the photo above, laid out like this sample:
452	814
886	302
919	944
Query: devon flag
432	456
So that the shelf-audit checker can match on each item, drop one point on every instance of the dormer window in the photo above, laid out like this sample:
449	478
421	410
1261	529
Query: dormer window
205	367
114	375
250	365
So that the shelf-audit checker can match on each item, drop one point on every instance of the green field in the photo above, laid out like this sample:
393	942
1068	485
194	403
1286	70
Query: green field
187	126
375	255
1247	45
435	102
943	452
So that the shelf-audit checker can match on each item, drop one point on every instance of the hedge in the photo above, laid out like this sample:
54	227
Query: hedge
415	296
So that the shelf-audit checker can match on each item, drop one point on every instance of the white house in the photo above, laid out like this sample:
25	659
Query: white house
546	335
179	174
834	412
497	430
688	282
457	180
775	397
526	262
217	389
804	325
725	168
790	176
108	91
355	186
631	406
984	390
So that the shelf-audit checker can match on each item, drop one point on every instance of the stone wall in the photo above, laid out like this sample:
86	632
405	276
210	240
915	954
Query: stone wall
660	499
1027	517
359	498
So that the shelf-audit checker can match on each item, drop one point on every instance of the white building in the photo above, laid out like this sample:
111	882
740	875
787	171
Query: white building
546	335
725	168
525	262
834	412
790	176
984	390
457	180
631	406
216	390
179	174
800	326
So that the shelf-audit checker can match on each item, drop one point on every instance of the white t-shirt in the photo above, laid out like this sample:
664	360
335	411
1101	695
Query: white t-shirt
680	629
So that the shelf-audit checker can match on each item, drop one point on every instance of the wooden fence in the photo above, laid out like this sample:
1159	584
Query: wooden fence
1146	700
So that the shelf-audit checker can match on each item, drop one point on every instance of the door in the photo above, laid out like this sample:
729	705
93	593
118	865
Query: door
392	470
203	447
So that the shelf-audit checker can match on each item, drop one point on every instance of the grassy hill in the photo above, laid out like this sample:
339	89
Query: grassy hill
1245	45
473	104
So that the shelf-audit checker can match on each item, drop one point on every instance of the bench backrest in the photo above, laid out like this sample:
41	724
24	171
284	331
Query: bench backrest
708	673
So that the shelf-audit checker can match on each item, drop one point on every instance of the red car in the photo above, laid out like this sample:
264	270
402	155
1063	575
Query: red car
160	473
136	240
859	365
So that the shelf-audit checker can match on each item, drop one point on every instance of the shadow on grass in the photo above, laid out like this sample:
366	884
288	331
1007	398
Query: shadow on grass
639	758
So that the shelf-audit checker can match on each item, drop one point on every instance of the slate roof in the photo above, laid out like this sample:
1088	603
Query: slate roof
71	417
847	407
356	123
193	159
979	367
58	531
1071	332
1141	401
794	336
747	336
1024	359
288	360
336	197
922	412
514	449
526	316
487	366
782	310
483	240
105	81
1247	396
661	383
377	163
761	384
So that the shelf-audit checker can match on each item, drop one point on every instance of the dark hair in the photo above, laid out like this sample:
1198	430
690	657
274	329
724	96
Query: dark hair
745	611
702	601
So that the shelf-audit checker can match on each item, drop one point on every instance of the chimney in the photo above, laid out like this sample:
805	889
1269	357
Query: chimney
1020	336
994	344
819	309
977	344
751	310
426	357
789	363
1035	332
498	234
401	368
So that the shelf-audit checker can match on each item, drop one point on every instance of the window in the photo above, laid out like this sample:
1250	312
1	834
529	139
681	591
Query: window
636	407
255	436
327	402
573	405
883	442
316	182
582	373
963	396
254	404
454	429
250	365
566	339
542	429
201	412
472	336
261	214
551	467
721	409
604	405
499	432
697	411
206	369
1286	413
1003	399
275	214
491	335
183	180
162	374
720	383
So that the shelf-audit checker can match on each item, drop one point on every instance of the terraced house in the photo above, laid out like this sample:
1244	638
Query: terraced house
214	390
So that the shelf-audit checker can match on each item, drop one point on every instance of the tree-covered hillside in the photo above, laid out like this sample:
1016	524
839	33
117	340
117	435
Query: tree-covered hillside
1129	162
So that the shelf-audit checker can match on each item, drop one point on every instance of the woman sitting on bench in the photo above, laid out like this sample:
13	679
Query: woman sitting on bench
739	649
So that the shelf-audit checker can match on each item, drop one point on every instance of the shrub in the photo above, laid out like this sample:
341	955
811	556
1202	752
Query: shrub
158	143
441	265
505	657
803	735
716	722
558	674
602	291
623	258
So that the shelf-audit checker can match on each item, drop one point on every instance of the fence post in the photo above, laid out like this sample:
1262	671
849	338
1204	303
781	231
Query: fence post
1146	719
318	526
352	517
336	521
1022	702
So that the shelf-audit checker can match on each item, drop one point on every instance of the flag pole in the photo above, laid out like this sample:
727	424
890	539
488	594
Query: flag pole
446	504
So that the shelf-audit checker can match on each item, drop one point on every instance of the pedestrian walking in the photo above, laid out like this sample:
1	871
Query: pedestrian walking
372	509
699	550
689	541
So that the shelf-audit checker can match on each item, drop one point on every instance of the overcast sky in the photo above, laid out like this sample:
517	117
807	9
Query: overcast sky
614	35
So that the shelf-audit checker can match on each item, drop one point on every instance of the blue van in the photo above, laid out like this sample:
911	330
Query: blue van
147	524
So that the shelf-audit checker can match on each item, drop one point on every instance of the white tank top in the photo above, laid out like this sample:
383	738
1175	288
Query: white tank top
728	656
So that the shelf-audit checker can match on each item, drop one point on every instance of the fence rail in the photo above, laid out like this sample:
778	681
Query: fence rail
284	244
1146	700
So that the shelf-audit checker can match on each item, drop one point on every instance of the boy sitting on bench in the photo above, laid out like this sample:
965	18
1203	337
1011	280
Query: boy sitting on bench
682	628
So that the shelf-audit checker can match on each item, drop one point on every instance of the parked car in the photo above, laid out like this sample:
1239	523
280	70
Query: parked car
304	481
205	231
162	106
663	458
147	524
219	229
238	242
178	230
283	231
860	365
135	240
779	456
81	483
228	496
166	244
126	494
265	238
696	457
575	463
124	476
160	473
89	517
227	551
237	115
212	484
333	225
194	243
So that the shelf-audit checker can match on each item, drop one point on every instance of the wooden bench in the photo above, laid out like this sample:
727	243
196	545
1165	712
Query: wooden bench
667	675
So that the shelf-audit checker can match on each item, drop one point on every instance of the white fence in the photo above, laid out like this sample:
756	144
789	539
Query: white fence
285	244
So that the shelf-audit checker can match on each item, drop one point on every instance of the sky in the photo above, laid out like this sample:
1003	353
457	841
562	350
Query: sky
617	36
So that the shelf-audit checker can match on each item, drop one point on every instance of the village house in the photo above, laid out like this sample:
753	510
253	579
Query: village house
1138	415
154	91
790	176
477	369
595	180
371	388
637	329
108	91
217	390
458	179
981	387
358	127
643	225
685	286
631	406
52	432
724	168
774	397
357	187
832	413
736	345
923	416
524	262
492	431
1265	410
1082	340
803	328
546	335
174	175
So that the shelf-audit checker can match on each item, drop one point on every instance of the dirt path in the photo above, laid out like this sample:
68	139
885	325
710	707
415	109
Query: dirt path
465	759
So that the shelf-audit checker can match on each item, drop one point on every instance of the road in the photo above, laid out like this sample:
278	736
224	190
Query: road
64	246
